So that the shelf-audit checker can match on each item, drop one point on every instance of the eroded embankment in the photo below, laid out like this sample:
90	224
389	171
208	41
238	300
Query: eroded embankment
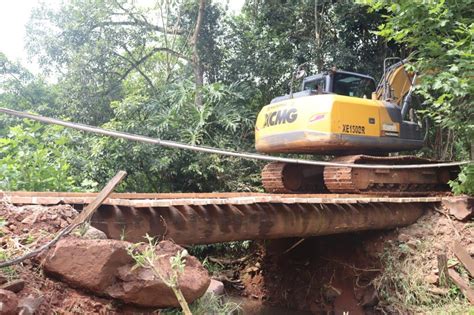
369	272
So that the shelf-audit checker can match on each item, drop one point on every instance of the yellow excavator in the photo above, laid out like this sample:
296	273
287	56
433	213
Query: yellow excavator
347	115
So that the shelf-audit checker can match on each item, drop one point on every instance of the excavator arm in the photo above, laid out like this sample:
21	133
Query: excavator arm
395	84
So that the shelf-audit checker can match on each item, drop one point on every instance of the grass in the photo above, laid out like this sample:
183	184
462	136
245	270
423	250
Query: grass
208	304
403	288
231	249
9	273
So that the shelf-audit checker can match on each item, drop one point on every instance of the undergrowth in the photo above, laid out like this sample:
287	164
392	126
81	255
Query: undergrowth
231	249
403	288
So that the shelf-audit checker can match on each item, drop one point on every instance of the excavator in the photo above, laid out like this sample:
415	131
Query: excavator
349	116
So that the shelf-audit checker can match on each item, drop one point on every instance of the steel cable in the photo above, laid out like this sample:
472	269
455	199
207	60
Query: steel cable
244	155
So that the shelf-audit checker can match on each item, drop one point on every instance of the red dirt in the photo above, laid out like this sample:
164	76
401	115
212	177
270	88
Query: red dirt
58	298
330	273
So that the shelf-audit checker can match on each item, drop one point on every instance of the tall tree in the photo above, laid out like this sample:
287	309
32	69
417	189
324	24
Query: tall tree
271	38
97	44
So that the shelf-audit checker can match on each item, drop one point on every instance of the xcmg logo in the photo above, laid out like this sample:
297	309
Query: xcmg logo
281	116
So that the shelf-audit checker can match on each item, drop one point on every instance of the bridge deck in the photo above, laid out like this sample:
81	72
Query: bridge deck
140	200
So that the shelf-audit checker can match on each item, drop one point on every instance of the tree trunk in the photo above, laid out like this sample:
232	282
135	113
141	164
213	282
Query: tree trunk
317	37
198	71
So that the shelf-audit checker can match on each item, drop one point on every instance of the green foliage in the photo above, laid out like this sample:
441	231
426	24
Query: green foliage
440	33
145	256
464	184
223	121
21	90
128	66
238	248
3	224
33	157
270	39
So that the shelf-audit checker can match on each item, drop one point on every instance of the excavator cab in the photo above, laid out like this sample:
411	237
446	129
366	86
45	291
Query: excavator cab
334	82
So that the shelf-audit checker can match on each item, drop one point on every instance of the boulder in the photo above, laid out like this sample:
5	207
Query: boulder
461	207
105	268
89	264
8	302
142	286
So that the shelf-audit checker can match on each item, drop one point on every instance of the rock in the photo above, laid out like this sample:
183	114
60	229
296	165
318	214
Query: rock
462	208
470	249
431	279
105	268
29	304
141	286
215	287
90	264
8	302
403	238
31	219
14	286
3	279
94	234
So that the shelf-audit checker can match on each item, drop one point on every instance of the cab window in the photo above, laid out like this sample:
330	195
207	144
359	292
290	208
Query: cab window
318	85
353	85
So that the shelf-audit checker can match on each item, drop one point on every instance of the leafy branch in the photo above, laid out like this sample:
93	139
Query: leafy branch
147	258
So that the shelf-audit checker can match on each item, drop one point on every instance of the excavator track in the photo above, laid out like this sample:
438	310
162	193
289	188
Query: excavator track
288	178
292	178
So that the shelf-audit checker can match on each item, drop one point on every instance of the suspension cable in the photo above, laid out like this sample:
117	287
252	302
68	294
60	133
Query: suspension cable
183	146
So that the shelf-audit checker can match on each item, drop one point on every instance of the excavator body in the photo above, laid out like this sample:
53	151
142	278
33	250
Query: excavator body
344	114
334	114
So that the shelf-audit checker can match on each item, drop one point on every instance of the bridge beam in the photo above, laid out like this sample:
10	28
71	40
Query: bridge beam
211	223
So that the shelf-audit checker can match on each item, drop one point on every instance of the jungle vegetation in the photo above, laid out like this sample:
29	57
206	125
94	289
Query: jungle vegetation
191	71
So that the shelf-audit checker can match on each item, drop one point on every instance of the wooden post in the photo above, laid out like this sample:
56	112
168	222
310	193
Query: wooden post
443	279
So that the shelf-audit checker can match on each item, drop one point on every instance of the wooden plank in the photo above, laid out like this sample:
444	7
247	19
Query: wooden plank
462	284
104	194
464	257
158	200
23	196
